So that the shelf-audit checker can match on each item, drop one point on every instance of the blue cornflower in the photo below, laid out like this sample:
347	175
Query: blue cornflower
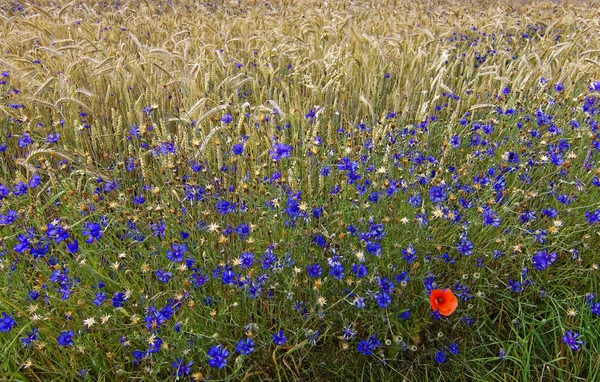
7	323
218	356
73	247
314	270
177	253
281	151
543	259
181	369
238	149
4	191
10	217
245	346
247	260
227	118
100	298
66	338
349	333
35	181
119	299
405	315
111	185
25	140
280	338
159	229
573	339
502	354
164	276
409	254
506	91
454	348
386	284
456	141
515	286
268	260
93	231
244	230
368	346
465	247
438	194
415	200
490	217
225	207
138	355
311	115
360	270
384	299
440	357
30	337
20	189
592	217
147	110
374	248
52	137
337	271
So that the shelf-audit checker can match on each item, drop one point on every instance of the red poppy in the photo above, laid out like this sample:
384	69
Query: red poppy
443	300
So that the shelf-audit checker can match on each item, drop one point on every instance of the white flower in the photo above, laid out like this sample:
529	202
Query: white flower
89	322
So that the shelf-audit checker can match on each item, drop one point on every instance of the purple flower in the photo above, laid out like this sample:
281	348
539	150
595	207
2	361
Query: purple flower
181	369
66	338
247	259
227	118
119	299
438	194
311	115
10	217
52	137
7	323
25	140
30	337
238	149
177	253
93	231
279	338
454	348
573	339
465	247
366	347
543	259
384	299
218	357
314	270
245	346
440	357
164	276
280	151
490	217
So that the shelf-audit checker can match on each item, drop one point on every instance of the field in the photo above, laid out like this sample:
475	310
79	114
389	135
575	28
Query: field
300	190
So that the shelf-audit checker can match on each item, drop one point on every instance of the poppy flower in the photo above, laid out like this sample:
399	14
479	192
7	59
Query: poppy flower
444	301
